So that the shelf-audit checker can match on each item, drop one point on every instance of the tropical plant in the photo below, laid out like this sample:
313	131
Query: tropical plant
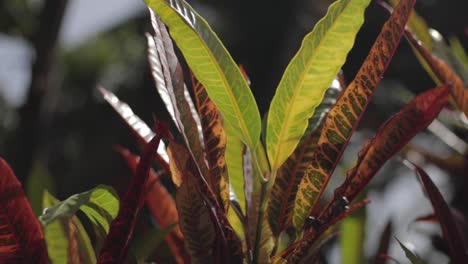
246	192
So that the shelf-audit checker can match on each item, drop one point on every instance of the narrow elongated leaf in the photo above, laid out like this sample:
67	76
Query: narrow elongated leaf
115	246
392	136
384	244
352	238
138	126
451	234
200	214
289	176
100	204
444	73
344	116
160	49
58	234
234	163
21	237
309	75
162	207
415	259
212	66
215	142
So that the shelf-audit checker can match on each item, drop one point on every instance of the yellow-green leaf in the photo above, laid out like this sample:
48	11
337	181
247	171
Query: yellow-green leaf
308	76
234	152
213	66
57	236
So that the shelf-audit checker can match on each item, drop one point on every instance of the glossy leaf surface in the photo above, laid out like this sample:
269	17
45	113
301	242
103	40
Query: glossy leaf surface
138	126
451	234
100	205
169	77
344	116
284	190
309	75
21	237
213	66
234	163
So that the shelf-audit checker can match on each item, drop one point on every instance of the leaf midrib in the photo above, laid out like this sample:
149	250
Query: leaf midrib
237	111
301	81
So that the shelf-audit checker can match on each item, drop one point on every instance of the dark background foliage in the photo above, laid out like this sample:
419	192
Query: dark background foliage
63	129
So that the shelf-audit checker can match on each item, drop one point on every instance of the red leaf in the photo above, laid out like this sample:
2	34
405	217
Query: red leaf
392	136
115	246
384	244
21	237
451	234
162	206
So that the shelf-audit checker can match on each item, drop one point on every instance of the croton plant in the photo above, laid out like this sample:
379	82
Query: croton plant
246	190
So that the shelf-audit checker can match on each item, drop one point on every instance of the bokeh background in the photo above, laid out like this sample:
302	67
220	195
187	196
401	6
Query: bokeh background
57	132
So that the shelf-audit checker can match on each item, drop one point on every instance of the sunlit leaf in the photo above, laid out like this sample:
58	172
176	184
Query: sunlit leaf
444	73
100	204
215	142
212	66
170	79
450	232
392	136
309	75
343	117
413	258
116	245
284	190
21	237
138	126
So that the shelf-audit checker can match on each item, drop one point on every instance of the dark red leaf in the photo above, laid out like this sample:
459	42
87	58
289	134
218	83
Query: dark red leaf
451	234
384	244
115	246
162	207
21	237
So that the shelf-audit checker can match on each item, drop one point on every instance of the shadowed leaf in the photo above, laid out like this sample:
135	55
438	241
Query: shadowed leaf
384	244
309	75
284	190
162	207
59	233
207	232
344	116
116	245
215	142
212	66
21	237
444	73
451	234
145	245
413	258
100	205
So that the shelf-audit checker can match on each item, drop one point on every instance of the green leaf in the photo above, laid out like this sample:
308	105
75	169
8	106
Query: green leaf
37	182
100	204
342	119
415	259
57	236
308	76
143	246
233	154
352	238
213	66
